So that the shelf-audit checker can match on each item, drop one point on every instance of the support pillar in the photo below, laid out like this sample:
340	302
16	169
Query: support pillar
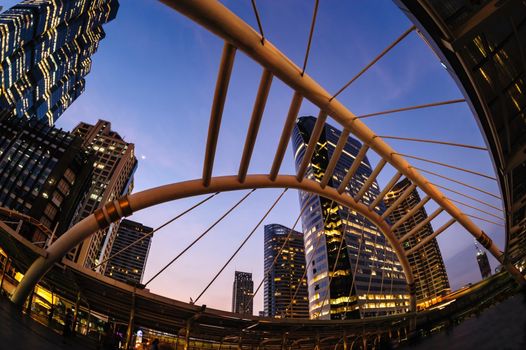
75	315
4	270
131	321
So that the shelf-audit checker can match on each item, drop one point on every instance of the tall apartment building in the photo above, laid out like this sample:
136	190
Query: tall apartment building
113	171
45	52
242	292
128	266
285	287
44	172
368	279
427	264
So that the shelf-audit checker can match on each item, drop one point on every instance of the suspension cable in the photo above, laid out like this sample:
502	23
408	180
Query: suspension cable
456	181
317	2
242	244
475	208
376	59
486	220
467	196
266	273
438	142
446	165
201	235
396	110
259	22
178	216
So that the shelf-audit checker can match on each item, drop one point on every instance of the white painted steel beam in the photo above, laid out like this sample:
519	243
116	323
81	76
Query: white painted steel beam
127	205
218	19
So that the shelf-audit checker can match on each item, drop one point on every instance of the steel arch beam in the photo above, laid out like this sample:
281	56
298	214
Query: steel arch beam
125	206
217	18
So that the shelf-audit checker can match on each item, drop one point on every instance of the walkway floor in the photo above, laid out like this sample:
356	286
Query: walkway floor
502	326
20	332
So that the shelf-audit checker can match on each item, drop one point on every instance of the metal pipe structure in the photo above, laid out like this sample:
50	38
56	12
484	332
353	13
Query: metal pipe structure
127	205
218	19
355	165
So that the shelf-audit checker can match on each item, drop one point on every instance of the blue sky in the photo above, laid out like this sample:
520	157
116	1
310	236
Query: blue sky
153	78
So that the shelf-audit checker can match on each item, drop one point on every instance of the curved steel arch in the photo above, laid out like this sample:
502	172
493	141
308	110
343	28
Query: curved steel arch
125	206
218	19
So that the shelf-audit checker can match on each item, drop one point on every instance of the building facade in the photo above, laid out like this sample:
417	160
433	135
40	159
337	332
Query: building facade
427	264
44	173
242	292
482	260
366	276
285	287
129	265
113	171
45	50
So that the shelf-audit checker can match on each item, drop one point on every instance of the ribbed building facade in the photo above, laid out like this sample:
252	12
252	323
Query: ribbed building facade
427	264
44	172
368	279
113	169
45	50
128	265
242	292
285	288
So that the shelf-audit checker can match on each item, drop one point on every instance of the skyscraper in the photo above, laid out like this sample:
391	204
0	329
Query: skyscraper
129	265
44	174
482	260
113	171
427	264
284	278
243	290
45	50
366	277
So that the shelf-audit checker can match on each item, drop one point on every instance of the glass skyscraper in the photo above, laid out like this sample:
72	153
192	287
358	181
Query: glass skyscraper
45	50
368	279
427	264
44	172
285	288
242	292
129	265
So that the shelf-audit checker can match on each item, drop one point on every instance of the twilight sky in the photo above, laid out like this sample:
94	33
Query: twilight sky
154	76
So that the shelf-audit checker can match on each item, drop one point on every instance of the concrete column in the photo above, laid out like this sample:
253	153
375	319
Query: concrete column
131	322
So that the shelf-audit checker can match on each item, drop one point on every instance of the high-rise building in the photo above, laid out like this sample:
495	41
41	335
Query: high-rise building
45	50
285	287
113	171
482	260
366	277
427	264
44	172
242	293
128	266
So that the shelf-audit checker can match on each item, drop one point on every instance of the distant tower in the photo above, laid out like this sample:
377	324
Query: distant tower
242	293
129	265
113	169
482	259
284	279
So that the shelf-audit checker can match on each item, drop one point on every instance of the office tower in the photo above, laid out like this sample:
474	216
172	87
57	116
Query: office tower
113	171
368	279
44	172
128	266
482	259
427	265
45	52
286	292
242	293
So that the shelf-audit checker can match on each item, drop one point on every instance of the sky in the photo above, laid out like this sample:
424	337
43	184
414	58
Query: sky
153	78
